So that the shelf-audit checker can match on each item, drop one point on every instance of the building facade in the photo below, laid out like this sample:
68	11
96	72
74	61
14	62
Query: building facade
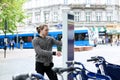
101	14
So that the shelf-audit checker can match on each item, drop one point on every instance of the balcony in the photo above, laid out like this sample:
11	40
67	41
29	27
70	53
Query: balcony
87	6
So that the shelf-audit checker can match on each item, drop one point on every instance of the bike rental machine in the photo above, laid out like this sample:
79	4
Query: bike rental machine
68	40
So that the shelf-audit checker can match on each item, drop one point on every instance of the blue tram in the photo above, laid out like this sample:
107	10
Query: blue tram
82	37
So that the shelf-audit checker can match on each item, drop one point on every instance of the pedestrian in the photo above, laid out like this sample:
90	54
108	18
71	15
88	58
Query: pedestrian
44	54
117	42
12	44
111	42
103	41
9	44
21	44
95	42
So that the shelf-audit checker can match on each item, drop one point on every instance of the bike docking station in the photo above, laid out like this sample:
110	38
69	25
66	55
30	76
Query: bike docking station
67	40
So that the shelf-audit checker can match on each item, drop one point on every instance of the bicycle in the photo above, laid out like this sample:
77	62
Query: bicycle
81	72
31	76
106	68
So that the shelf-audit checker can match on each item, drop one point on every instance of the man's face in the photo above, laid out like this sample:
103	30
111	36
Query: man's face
45	31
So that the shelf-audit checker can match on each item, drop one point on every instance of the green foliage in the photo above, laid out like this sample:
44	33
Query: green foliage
11	10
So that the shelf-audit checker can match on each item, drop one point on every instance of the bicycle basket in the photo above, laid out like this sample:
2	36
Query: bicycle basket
113	71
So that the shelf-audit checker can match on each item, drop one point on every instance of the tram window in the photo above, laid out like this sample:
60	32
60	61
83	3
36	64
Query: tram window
1	42
26	38
15	39
76	37
59	36
81	36
30	39
23	38
49	34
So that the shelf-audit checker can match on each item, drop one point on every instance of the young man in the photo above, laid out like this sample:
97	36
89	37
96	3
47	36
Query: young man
44	54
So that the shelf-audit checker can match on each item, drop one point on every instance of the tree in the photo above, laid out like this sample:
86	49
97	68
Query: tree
12	13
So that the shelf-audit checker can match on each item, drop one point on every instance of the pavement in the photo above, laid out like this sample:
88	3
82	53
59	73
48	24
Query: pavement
23	61
16	62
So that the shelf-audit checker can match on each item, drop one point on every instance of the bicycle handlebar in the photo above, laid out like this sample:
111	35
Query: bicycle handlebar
74	62
61	70
92	59
96	58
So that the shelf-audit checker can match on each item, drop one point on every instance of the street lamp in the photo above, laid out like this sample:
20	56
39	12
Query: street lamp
5	39
17	38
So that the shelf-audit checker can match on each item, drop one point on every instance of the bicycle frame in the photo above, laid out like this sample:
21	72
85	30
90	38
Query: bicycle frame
109	69
83	72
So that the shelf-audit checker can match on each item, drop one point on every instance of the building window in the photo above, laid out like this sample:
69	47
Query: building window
46	16
55	16
88	16
29	19
108	2
98	16
88	1
109	16
37	16
98	2
77	16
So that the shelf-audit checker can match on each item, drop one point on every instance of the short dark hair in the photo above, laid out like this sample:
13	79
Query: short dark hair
41	27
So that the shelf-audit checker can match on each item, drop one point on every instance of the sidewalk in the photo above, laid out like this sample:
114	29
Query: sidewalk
17	61
23	61
16	53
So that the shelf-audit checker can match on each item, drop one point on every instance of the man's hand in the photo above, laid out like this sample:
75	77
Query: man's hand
58	53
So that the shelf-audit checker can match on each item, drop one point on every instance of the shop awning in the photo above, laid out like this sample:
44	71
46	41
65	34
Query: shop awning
101	29
113	31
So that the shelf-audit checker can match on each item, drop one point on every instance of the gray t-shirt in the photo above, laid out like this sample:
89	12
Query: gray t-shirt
43	49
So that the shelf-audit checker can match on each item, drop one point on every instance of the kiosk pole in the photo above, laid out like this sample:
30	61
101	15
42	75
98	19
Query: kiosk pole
68	40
